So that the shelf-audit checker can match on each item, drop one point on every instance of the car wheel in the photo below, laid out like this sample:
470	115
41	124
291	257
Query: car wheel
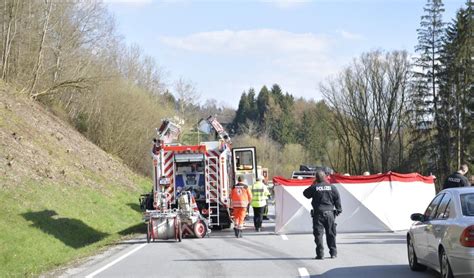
412	259
199	229
444	266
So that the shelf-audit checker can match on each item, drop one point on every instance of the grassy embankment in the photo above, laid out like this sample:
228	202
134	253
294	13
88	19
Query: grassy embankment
61	197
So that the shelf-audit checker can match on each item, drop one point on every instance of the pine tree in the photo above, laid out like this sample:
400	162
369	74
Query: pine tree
276	93
456	90
263	103
282	123
253	110
448	100
241	114
465	150
425	99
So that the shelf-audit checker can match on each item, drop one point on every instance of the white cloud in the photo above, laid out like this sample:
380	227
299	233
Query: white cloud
287	4
249	41
349	35
298	62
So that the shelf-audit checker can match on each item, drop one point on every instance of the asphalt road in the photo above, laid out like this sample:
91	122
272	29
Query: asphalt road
264	254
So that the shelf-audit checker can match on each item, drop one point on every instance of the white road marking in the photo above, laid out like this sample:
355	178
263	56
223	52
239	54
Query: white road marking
303	272
284	237
116	261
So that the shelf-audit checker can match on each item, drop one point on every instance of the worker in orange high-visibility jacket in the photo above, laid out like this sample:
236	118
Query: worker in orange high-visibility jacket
240	198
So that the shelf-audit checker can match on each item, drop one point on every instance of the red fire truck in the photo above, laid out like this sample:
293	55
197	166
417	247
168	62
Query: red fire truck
207	170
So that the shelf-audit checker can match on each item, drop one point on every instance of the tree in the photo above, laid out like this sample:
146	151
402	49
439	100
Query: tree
10	28
456	90
280	120
187	98
39	55
241	114
314	132
253	110
263	102
425	98
368	104
68	56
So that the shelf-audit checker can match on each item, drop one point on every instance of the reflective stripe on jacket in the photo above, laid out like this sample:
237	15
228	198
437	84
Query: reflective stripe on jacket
259	195
240	196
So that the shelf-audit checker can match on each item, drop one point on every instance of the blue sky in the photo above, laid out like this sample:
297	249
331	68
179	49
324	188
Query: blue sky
226	47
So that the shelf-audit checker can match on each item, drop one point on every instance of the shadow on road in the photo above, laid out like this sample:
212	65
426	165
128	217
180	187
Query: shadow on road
375	239
229	233
72	232
393	241
375	271
376	236
246	259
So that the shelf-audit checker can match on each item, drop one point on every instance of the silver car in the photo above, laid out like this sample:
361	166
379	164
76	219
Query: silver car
443	237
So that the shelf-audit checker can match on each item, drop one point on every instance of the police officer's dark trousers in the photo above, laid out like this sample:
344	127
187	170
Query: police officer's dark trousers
324	220
257	217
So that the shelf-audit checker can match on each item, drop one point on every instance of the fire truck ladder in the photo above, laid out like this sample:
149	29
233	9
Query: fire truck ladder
212	190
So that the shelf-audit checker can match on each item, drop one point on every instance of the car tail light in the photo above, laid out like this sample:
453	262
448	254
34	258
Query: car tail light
467	237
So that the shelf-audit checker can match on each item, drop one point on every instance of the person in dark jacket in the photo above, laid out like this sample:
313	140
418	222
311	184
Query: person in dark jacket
457	179
326	206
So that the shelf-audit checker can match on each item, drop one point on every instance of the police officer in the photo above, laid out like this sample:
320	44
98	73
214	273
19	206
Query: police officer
259	201
457	179
325	198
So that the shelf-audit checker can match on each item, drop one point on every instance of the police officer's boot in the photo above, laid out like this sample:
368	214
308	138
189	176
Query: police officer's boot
319	254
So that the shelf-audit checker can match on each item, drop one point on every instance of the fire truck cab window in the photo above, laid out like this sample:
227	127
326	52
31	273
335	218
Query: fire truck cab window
244	160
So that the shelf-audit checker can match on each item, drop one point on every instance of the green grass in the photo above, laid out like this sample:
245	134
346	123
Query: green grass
44	225
49	220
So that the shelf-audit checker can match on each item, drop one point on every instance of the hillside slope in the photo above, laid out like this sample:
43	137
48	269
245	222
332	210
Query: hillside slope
61	197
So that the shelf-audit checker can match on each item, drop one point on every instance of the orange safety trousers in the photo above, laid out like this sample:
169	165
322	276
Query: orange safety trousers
239	217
